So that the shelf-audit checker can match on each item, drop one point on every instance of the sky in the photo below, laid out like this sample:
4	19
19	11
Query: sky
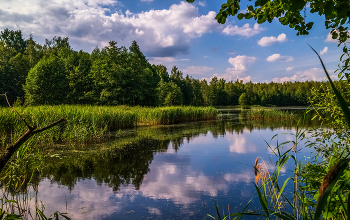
175	32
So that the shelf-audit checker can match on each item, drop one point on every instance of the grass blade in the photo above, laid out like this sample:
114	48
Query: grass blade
340	98
263	201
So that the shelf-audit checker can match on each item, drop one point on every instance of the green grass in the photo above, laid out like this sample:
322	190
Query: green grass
261	114
91	123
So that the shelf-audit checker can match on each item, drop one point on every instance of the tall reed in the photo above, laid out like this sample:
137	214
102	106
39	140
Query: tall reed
88	123
262	113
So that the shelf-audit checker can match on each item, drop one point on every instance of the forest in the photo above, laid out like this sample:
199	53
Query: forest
54	73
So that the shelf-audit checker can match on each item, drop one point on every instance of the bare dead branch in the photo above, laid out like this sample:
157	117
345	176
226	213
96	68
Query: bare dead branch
25	136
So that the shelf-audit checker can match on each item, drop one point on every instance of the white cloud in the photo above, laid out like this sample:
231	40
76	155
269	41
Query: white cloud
161	60
197	70
325	49
289	68
146	0
240	63
314	74
160	33
245	30
278	57
203	4
184	59
240	66
268	41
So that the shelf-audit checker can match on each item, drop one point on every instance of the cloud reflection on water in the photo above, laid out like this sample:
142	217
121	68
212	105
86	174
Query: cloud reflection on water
180	177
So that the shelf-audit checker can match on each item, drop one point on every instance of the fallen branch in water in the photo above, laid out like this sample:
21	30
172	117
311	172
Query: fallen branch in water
25	136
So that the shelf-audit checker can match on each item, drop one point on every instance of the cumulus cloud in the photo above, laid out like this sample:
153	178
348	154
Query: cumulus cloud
241	63
325	49
146	0
268	41
279	58
245	30
160	33
197	70
289	68
314	74
240	66
184	59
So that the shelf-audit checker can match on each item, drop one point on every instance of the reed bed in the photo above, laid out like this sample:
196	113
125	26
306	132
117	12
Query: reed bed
272	114
91	123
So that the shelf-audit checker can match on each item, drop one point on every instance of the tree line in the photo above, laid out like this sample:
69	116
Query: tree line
54	73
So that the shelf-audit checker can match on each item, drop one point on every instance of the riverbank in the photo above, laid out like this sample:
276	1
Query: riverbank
93	123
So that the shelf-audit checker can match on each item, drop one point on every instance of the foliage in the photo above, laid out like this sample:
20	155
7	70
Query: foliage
47	83
116	75
243	100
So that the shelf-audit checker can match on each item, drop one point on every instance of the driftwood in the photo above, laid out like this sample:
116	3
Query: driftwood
25	136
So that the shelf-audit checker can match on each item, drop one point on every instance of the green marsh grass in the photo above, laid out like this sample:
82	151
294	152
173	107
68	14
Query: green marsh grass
92	123
273	114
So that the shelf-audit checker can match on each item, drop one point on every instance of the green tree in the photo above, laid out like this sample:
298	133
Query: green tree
169	94
243	99
146	78
14	40
47	82
161	70
80	80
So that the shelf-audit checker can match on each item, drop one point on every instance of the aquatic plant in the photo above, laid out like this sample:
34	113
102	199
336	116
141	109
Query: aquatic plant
93	123
264	113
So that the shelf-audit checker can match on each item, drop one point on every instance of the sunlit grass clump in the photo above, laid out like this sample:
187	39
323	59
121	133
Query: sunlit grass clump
274	114
88	123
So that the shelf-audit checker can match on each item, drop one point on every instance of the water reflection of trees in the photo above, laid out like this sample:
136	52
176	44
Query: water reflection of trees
127	160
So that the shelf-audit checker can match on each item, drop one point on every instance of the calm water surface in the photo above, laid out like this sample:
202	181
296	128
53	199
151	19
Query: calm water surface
167	172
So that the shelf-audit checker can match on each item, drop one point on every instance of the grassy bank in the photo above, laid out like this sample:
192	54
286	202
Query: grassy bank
89	123
271	114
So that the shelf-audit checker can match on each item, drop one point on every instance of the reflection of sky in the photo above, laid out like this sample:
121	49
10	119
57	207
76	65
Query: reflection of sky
178	185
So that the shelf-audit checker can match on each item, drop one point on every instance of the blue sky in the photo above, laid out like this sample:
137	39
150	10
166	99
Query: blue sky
174	32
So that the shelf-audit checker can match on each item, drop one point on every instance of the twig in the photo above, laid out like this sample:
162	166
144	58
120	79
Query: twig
14	147
25	136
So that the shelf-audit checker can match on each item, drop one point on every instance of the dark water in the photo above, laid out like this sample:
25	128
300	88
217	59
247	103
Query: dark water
167	172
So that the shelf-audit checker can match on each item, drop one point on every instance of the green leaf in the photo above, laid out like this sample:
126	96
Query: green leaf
263	202
240	16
